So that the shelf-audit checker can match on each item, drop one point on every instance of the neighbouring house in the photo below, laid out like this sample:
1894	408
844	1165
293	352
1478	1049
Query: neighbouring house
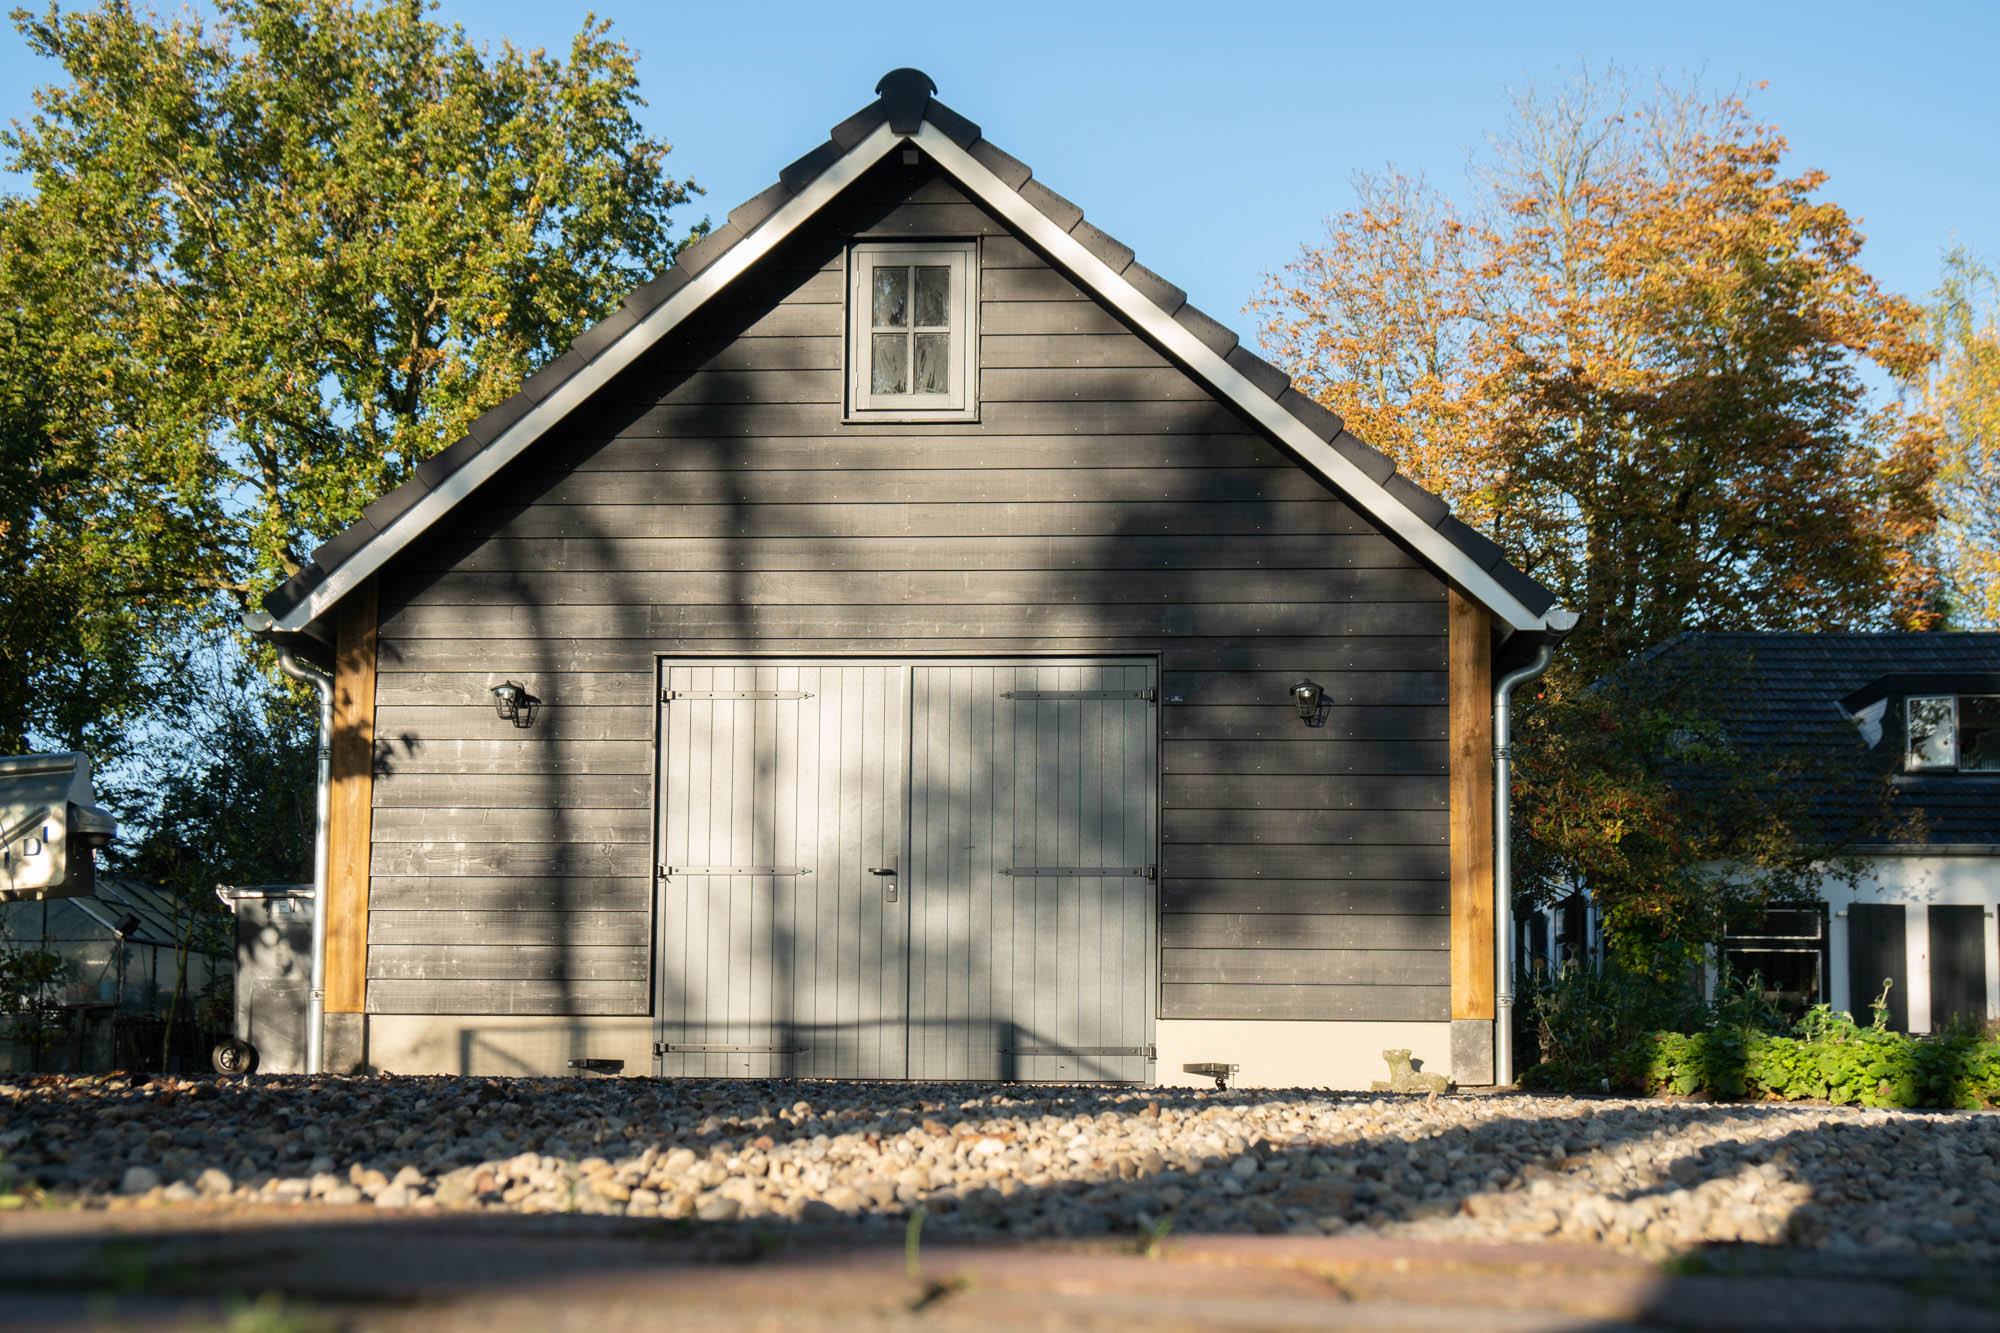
908	640
1900	737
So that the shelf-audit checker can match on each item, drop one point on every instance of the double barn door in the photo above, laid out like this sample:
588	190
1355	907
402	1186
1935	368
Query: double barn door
924	870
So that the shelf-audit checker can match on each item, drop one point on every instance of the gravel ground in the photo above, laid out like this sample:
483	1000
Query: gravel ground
989	1161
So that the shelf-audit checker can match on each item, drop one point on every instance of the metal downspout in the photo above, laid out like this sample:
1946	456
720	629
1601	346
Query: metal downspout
316	1003
1503	886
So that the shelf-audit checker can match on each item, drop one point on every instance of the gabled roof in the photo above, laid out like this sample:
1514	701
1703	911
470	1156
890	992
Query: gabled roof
1782	693
905	112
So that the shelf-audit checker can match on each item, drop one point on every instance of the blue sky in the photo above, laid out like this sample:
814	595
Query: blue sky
1213	138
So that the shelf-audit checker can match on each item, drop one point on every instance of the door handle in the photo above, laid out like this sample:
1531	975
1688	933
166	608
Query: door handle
888	873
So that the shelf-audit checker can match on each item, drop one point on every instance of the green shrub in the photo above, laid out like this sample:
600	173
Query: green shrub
1828	1056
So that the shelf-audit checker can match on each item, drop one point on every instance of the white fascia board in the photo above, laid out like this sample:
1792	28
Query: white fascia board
1159	325
574	391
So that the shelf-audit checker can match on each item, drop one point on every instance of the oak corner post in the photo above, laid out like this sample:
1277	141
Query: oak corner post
352	796
1470	661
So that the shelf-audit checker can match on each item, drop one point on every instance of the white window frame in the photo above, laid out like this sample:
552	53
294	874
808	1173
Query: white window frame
961	402
1913	760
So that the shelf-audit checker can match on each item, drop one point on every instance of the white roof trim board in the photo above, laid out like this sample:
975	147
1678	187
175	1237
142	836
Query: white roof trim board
906	114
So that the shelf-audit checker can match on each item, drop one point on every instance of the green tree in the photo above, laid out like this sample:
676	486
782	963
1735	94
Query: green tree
1634	351
267	265
1963	391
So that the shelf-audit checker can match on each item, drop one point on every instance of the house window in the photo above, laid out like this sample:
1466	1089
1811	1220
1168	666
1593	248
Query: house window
910	341
1952	732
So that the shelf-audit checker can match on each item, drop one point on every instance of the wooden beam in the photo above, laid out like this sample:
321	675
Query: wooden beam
349	819
1470	655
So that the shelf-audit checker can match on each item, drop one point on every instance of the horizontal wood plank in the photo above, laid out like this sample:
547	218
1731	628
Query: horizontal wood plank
514	657
1278	720
538	927
886	624
1306	553
509	858
1263	791
1308	967
1285	861
507	962
1413	1004
581	998
512	824
550	725
474	689
1279	898
970	587
1341	688
1306	827
531	757
586	790
968	486
609	523
504	893
682	421
1281	930
1352	758
934	453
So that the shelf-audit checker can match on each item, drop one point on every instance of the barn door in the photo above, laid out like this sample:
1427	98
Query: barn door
1031	871
782	942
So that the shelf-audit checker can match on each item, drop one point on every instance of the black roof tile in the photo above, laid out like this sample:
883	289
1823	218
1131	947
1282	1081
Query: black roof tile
1115	253
708	249
1013	172
1266	378
293	590
396	503
1320	420
858	126
1525	590
1155	288
342	544
1780	693
644	300
805	170
1215	335
956	127
1052	205
490	424
552	376
593	340
1427	507
1376	465
433	470
747	215
1483	549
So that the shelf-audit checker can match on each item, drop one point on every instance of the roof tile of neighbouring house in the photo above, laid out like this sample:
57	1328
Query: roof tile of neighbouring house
905	101
1781	693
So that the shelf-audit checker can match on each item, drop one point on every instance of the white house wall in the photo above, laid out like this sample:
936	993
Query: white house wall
1916	883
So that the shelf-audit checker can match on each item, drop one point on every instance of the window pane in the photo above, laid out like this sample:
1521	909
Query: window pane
890	372
1932	726
892	297
1979	732
933	297
933	363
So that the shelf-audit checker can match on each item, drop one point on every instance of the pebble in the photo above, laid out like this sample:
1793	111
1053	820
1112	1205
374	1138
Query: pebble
988	1160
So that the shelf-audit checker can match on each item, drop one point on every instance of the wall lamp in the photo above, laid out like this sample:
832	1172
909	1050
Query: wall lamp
1307	697
512	702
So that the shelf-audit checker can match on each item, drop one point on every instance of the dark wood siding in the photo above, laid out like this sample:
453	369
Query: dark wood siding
714	501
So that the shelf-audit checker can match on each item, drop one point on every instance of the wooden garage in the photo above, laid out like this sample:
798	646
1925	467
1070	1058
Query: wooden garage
907	640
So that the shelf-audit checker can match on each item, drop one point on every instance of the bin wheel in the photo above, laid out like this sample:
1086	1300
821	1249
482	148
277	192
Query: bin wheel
232	1057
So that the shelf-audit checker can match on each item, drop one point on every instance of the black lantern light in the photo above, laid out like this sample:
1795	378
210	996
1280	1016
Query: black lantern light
513	702
1307	697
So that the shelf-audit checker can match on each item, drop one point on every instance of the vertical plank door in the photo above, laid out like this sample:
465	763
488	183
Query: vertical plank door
1958	965
1033	789
1877	952
783	947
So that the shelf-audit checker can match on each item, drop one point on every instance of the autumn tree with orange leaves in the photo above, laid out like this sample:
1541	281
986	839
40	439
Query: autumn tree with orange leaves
1634	352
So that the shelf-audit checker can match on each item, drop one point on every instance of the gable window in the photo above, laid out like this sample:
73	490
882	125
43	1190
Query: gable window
1952	732
910	331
